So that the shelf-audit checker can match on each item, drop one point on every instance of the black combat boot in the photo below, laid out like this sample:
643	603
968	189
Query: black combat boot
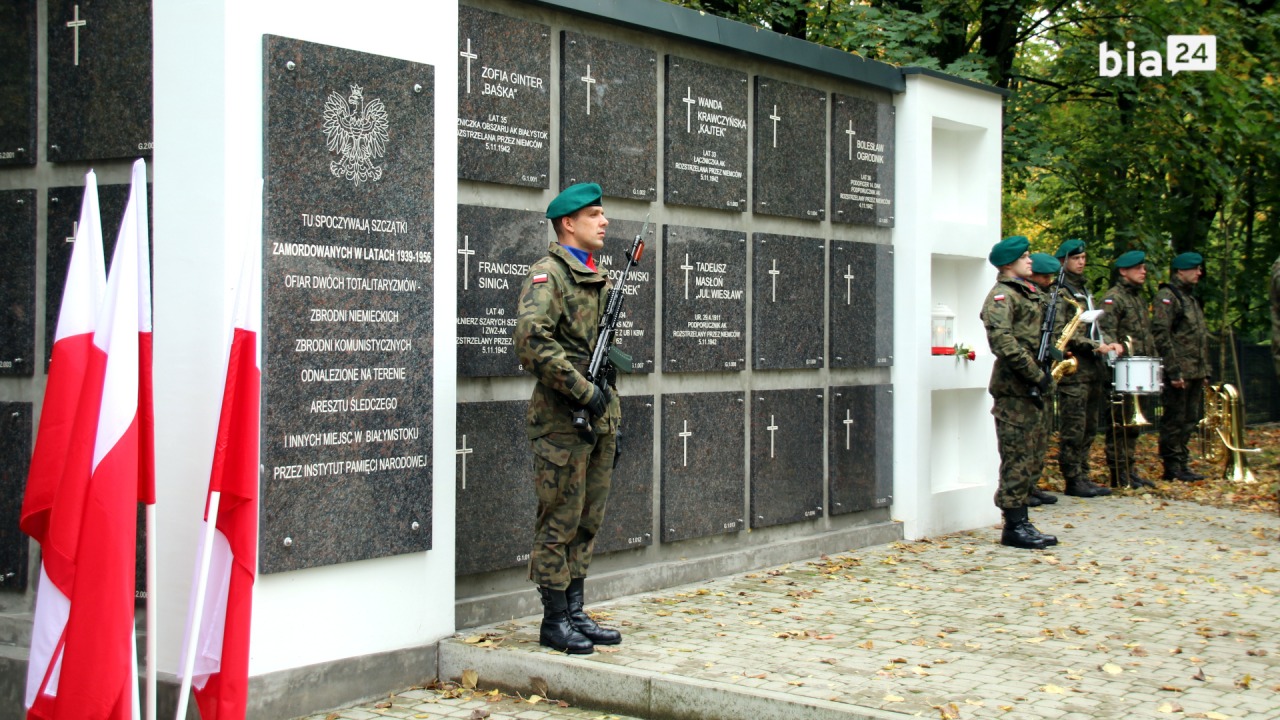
1190	475
556	631
1136	481
1082	487
1020	533
1049	540
582	622
1045	498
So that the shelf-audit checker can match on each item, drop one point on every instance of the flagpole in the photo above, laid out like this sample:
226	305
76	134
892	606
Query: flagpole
197	610
151	611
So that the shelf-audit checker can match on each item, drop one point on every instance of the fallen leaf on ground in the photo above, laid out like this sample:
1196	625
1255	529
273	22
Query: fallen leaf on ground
894	698
469	679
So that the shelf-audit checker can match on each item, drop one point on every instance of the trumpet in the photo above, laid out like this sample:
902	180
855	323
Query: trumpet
1222	433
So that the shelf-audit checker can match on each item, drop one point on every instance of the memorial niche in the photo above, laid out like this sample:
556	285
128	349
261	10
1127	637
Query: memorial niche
15	458
18	83
608	133
18	282
496	504
628	519
786	314
347	282
703	475
862	157
706	135
636	327
704	307
786	456
790	140
504	99
861	307
860	450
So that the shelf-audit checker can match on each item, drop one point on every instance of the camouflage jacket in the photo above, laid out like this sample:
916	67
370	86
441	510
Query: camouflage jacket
561	303
1012	314
1081	345
1126	320
1182	338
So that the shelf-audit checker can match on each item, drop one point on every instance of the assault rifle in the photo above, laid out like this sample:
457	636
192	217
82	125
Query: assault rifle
1043	358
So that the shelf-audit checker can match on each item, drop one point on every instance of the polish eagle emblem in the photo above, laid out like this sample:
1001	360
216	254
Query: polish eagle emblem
357	131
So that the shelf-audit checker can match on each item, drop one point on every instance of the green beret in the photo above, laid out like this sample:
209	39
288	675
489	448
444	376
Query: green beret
1045	264
1187	260
1070	247
1008	250
1131	258
574	198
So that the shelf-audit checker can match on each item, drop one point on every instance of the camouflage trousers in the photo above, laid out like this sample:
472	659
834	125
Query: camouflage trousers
1079	405
1022	438
1182	411
571	479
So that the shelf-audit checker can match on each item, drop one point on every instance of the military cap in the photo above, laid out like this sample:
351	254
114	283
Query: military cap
1131	258
1187	260
1008	250
1045	264
574	198
1068	248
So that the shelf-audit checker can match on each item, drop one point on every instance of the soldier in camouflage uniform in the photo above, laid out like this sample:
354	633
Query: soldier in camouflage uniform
1012	314
561	303
1127	321
1275	315
1182	339
1044	271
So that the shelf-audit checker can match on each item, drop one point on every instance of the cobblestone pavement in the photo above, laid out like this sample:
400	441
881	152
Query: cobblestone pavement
1148	609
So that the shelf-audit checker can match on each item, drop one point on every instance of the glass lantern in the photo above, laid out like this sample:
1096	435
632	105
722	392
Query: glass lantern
943	326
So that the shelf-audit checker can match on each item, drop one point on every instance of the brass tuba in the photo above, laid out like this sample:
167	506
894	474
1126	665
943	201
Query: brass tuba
1222	433
1068	365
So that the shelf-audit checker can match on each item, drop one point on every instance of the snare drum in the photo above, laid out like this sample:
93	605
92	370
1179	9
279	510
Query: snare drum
1138	375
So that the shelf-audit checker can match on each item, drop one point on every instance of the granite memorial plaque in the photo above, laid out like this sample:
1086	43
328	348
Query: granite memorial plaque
15	458
347	286
786	307
703	477
496	503
628	516
18	83
786	456
861	161
608	130
17	282
706	135
100	64
496	246
704	306
861	305
504	99
637	327
790	145
860	450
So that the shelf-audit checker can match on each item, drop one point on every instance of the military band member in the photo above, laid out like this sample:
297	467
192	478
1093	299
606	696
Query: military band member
1182	339
1044	271
1128	322
1275	315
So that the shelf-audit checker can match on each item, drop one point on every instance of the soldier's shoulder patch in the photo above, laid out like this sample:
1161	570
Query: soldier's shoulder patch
538	278
998	298
1166	301
1108	301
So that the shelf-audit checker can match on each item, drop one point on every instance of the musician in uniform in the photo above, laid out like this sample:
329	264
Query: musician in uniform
1044	271
1128	322
1182	339
561	303
1275	315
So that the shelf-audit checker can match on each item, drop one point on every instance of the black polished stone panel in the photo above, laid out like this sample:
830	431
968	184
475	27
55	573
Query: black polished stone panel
786	456
628	516
608	126
706	135
100	64
861	305
17	282
860	449
786	308
348	297
704	307
637	327
862	159
496	246
15	458
790	150
496	503
703	477
18	83
504	99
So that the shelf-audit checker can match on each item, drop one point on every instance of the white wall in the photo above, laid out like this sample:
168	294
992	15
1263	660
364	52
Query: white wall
207	210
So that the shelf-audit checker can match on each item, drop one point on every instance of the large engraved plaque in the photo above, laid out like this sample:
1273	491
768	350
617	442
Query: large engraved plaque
15	458
18	83
786	315
704	307
100	64
504	99
860	449
18	282
637	327
861	295
862	156
608	130
496	504
347	286
706	135
786	456
790	147
628	518
703	477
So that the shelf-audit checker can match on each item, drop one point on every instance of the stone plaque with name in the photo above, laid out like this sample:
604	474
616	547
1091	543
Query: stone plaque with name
100	64
608	127
790	145
504	99
786	456
496	504
703	477
861	161
706	135
18	282
628	517
860	450
786	308
861	305
18	83
637	327
496	246
15	458
704	306
347	285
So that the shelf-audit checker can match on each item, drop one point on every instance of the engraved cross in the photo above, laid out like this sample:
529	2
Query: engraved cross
775	272
688	108
848	423
850	132
848	284
771	428
75	24
464	451
775	117
469	56
685	437
589	81
465	251
686	267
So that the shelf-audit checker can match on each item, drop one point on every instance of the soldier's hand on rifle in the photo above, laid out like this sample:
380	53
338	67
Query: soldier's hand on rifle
1046	381
598	403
